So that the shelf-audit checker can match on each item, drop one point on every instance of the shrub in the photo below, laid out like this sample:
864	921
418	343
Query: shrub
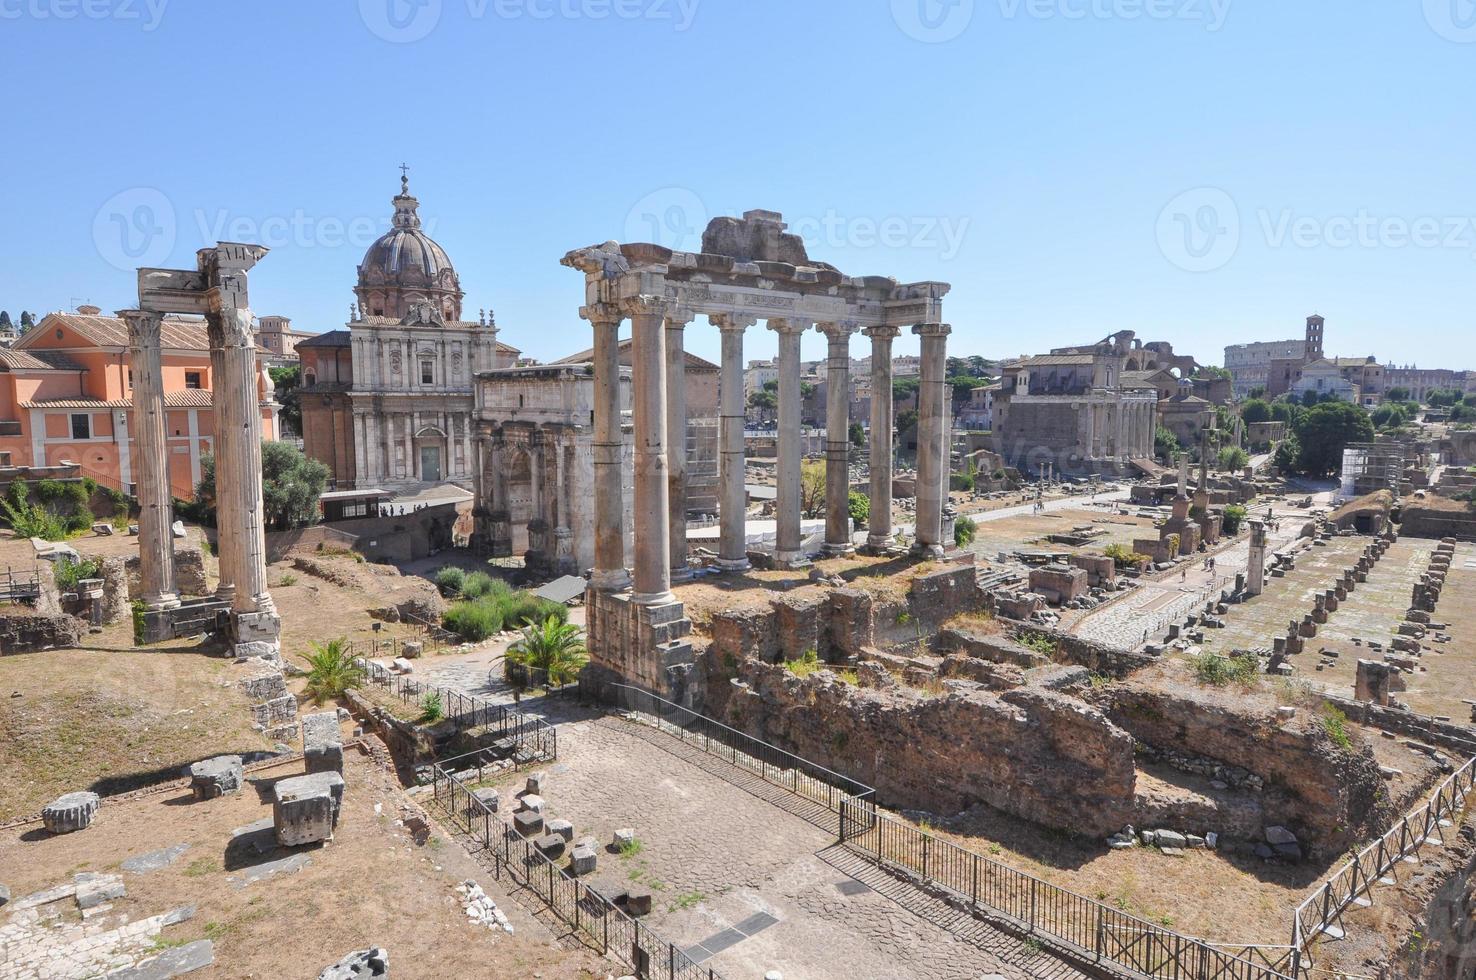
473	621
476	585
1219	671
1038	642
965	529
450	580
1234	516
331	671
1335	723
551	649
69	573
431	709
805	665
1125	557
138	609
859	505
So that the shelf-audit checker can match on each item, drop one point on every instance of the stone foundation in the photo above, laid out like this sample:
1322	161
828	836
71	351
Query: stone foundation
644	646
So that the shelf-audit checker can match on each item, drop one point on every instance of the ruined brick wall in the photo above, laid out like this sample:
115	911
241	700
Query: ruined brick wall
193	572
30	633
1439	520
1327	795
1033	753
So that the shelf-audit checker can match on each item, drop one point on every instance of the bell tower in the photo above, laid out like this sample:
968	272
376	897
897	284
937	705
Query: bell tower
1314	337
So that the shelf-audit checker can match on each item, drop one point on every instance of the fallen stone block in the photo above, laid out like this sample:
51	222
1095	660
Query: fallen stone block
533	802
322	742
637	904
305	809
402	666
363	964
488	798
412	649
583	860
70	813
171	963
563	828
527	823
551	846
534	783
625	837
95	889
220	776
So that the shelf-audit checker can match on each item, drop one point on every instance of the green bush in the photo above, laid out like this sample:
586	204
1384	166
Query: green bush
1335	723
1234	515
431	708
476	585
473	621
68	573
1219	671
965	529
450	580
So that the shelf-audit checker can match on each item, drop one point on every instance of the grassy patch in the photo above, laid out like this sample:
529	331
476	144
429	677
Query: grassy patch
1335	723
685	901
1218	671
200	867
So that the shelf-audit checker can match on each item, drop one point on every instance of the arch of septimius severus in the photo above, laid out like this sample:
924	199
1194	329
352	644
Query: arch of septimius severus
215	289
749	269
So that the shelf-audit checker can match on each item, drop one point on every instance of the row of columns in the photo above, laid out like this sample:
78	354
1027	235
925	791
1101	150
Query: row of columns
659	385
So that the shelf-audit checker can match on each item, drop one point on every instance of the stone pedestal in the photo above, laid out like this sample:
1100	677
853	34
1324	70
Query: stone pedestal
305	808
322	742
641	645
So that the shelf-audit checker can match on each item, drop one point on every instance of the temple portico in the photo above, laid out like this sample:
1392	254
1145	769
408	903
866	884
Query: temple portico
749	270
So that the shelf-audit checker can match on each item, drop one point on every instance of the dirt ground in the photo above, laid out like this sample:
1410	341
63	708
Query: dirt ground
371	885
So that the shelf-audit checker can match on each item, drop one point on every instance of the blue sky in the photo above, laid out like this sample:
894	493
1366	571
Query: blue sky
1201	171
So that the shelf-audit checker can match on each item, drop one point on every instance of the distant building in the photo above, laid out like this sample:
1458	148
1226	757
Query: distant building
1270	364
66	400
1359	380
1419	382
977	411
277	339
758	374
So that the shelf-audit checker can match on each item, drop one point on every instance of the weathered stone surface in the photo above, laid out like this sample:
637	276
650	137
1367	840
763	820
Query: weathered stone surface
562	828
95	889
28	633
220	776
4	896
70	813
532	802
363	964
257	649
142	864
550	846
322	742
583	860
527	823
489	798
305	809
171	963
624	837
638	903
534	783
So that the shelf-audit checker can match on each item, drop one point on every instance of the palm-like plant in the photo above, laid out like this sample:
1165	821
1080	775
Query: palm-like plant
332	670
553	648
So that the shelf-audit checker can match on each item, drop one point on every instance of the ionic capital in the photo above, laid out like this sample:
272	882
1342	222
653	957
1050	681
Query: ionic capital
144	327
728	322
932	329
643	305
598	313
789	326
839	332
678	316
883	332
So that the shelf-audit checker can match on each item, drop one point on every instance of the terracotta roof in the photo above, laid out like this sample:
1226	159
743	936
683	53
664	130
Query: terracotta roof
333	338
1055	360
179	333
587	355
41	360
186	398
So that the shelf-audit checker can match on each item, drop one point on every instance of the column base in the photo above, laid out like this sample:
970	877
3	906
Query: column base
610	580
654	598
681	574
928	552
734	564
161	602
883	545
791	559
837	550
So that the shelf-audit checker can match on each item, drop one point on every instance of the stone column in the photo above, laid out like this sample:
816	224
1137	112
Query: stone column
837	441
155	538
225	542
788	550
1255	567
880	538
733	543
652	506
608	449
932	454
676	439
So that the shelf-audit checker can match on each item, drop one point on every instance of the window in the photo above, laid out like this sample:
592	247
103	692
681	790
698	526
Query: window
192	379
81	426
130	377
4	459
427	372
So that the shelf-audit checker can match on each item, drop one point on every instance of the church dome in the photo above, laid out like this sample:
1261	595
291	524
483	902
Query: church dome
406	269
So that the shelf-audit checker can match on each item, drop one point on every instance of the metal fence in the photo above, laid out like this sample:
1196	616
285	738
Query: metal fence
1082	927
529	739
598	920
1349	885
770	763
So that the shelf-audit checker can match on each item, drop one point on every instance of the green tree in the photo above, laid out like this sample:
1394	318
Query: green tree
1285	411
1325	431
1166	444
1397	395
1255	411
5	320
906	421
857	434
27	321
1443	398
291	484
1233	459
965	529
904	388
1288	454
765	402
859	505
812	489
1211	373
1259	391
1388	416
550	650
287	380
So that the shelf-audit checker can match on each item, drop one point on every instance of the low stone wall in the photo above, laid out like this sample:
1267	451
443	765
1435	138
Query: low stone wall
191	572
1442	519
1330	797
1454	738
996	649
28	633
1099	658
1034	753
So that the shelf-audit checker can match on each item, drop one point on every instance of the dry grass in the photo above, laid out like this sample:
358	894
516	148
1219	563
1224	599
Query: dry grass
980	623
111	717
